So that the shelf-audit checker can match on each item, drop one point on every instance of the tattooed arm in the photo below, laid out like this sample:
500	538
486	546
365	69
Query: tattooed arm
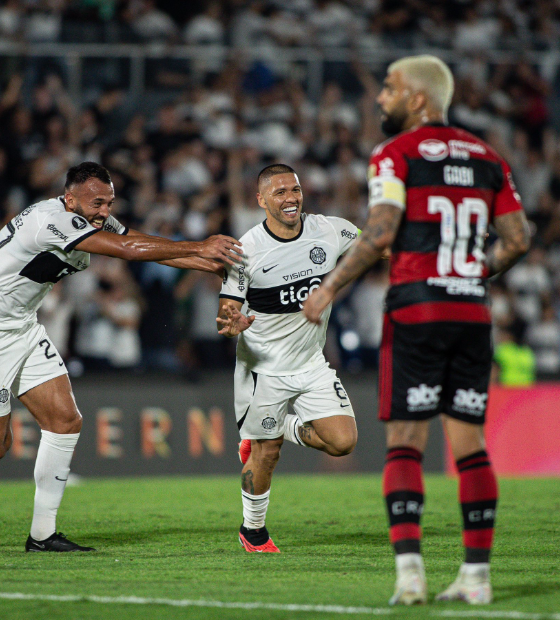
377	236
513	242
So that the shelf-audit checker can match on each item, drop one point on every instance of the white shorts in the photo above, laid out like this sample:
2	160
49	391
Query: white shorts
261	401
27	359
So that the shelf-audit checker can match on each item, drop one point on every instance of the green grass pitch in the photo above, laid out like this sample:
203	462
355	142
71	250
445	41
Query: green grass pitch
176	538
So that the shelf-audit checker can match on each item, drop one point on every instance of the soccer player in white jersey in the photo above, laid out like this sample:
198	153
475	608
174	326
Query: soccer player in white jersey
280	357
38	247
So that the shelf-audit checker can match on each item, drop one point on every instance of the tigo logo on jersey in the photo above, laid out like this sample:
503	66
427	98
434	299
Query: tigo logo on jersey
292	295
318	255
269	424
433	150
423	397
469	401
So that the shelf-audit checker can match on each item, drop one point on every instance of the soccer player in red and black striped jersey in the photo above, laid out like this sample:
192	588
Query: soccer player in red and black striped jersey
434	191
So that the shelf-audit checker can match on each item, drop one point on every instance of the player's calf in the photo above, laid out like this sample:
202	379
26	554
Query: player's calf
6	435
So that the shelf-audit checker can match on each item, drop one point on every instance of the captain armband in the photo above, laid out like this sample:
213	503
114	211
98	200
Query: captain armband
387	190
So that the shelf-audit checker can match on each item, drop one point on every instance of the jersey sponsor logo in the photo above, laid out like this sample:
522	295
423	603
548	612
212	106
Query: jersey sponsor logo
78	222
423	397
57	232
296	276
318	255
294	294
47	267
269	424
109	228
459	286
386	167
459	149
241	285
348	234
266	270
4	395
433	150
470	401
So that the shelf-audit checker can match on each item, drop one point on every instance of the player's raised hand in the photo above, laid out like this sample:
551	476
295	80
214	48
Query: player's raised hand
232	321
222	248
315	304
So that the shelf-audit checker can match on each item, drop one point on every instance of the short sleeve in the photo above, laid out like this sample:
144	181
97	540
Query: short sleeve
507	199
113	225
235	282
387	174
346	233
63	231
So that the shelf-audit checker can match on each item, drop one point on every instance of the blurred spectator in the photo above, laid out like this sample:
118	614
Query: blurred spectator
515	363
544	338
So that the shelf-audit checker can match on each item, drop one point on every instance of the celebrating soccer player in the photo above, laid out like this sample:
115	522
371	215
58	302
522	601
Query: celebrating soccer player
434	190
41	245
279	354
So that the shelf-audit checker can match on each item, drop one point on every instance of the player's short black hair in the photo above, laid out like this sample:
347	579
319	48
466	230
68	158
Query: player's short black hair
83	172
267	173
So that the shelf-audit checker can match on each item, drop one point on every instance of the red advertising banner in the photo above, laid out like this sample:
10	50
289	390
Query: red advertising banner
523	431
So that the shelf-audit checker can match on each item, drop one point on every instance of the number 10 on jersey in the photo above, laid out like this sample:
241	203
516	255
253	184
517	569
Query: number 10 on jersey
456	233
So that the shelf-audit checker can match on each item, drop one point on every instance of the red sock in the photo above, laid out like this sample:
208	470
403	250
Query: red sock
478	494
403	489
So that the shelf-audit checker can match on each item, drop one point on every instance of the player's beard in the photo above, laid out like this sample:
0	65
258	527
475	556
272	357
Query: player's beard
393	123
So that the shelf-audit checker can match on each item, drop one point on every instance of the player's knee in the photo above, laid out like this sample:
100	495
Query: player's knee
344	444
70	422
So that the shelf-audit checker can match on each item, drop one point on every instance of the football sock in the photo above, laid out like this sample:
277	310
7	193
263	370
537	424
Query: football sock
254	509
292	431
478	494
51	473
403	489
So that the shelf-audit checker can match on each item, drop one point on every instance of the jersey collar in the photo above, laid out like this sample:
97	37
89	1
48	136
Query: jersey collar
281	239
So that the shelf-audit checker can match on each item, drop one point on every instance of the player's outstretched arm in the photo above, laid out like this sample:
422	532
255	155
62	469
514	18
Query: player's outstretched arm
230	320
513	242
376	238
138	246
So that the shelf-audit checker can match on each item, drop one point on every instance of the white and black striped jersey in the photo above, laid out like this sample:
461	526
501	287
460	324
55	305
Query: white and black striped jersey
275	278
37	250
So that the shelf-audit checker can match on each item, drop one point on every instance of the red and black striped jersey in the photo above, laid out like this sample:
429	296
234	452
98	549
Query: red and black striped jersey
451	186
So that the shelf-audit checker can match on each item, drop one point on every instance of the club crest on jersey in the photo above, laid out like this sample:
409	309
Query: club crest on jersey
4	395
78	222
318	255
269	424
433	150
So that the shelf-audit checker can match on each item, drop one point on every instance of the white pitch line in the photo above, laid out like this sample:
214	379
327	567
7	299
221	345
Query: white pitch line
332	609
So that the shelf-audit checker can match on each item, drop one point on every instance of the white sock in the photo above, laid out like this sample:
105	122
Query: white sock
478	568
292	431
254	509
409	560
51	473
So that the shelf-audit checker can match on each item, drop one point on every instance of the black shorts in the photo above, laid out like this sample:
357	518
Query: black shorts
430	368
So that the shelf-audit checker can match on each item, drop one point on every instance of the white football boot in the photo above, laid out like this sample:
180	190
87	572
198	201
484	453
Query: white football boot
472	585
410	588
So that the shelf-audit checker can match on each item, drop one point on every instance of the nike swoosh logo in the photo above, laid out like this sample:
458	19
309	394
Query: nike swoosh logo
61	479
40	546
267	270
61	363
348	405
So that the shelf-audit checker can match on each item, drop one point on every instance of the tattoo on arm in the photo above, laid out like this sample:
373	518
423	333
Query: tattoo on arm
513	242
247	482
378	234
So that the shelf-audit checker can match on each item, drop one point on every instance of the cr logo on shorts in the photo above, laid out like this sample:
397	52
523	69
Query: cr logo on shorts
318	255
269	424
423	397
4	395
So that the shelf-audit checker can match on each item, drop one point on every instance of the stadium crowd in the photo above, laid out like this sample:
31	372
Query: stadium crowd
184	159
